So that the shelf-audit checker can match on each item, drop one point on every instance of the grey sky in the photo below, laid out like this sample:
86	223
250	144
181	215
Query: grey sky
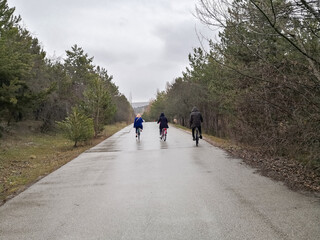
142	43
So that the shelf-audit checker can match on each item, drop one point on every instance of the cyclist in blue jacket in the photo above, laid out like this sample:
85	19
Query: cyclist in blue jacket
138	123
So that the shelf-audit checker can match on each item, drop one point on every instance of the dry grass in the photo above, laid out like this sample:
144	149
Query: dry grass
27	157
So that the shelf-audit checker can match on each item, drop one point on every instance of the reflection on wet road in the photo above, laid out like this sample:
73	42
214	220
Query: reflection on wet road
125	140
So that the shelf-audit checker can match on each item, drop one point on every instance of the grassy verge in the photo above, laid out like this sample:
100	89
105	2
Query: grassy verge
26	158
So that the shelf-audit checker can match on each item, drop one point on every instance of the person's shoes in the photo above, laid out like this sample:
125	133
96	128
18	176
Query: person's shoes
200	136
194	139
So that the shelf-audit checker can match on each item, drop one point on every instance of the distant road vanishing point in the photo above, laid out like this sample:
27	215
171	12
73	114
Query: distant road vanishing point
139	107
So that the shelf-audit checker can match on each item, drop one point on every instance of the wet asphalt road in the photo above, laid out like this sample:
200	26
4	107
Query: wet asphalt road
125	189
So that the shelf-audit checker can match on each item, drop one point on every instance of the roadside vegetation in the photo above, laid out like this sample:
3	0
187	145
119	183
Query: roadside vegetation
258	85
41	95
34	87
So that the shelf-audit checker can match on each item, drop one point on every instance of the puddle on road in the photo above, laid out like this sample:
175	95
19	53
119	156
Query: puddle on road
102	150
107	146
163	145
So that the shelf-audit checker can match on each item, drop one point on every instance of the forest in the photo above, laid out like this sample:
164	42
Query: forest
259	83
65	93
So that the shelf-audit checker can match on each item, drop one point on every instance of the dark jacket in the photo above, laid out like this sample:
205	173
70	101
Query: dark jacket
163	121
138	123
195	118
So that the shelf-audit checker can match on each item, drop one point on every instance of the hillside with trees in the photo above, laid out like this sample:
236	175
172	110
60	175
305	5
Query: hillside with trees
33	87
259	85
40	98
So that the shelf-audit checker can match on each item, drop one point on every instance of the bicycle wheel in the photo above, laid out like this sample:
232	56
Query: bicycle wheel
197	137
138	130
164	135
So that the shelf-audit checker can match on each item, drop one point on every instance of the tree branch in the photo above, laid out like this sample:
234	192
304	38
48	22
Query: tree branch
282	35
311	9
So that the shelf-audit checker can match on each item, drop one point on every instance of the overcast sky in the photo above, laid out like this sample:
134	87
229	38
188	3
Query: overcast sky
143	43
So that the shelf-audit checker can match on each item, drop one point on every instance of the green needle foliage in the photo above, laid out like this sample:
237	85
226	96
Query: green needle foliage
33	87
77	127
98	103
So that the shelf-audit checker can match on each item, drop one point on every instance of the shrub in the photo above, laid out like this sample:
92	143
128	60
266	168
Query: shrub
77	127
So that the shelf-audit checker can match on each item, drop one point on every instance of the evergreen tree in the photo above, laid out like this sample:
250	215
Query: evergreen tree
79	68
98	103
16	63
77	127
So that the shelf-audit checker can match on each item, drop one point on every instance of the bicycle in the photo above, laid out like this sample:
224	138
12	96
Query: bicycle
197	136
138	133
164	134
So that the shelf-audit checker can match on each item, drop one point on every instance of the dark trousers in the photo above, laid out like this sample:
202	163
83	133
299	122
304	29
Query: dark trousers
193	129
137	130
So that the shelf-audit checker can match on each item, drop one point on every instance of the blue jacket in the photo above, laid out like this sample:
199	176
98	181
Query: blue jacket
138	123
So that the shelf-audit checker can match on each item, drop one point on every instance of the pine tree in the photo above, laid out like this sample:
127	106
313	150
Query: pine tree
77	127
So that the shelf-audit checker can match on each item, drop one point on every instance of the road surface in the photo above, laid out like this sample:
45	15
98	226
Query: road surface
126	189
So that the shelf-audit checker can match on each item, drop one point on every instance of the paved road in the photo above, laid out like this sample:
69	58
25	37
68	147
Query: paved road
124	189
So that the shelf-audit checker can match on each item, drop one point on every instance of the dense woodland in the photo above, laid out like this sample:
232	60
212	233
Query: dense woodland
259	84
33	87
